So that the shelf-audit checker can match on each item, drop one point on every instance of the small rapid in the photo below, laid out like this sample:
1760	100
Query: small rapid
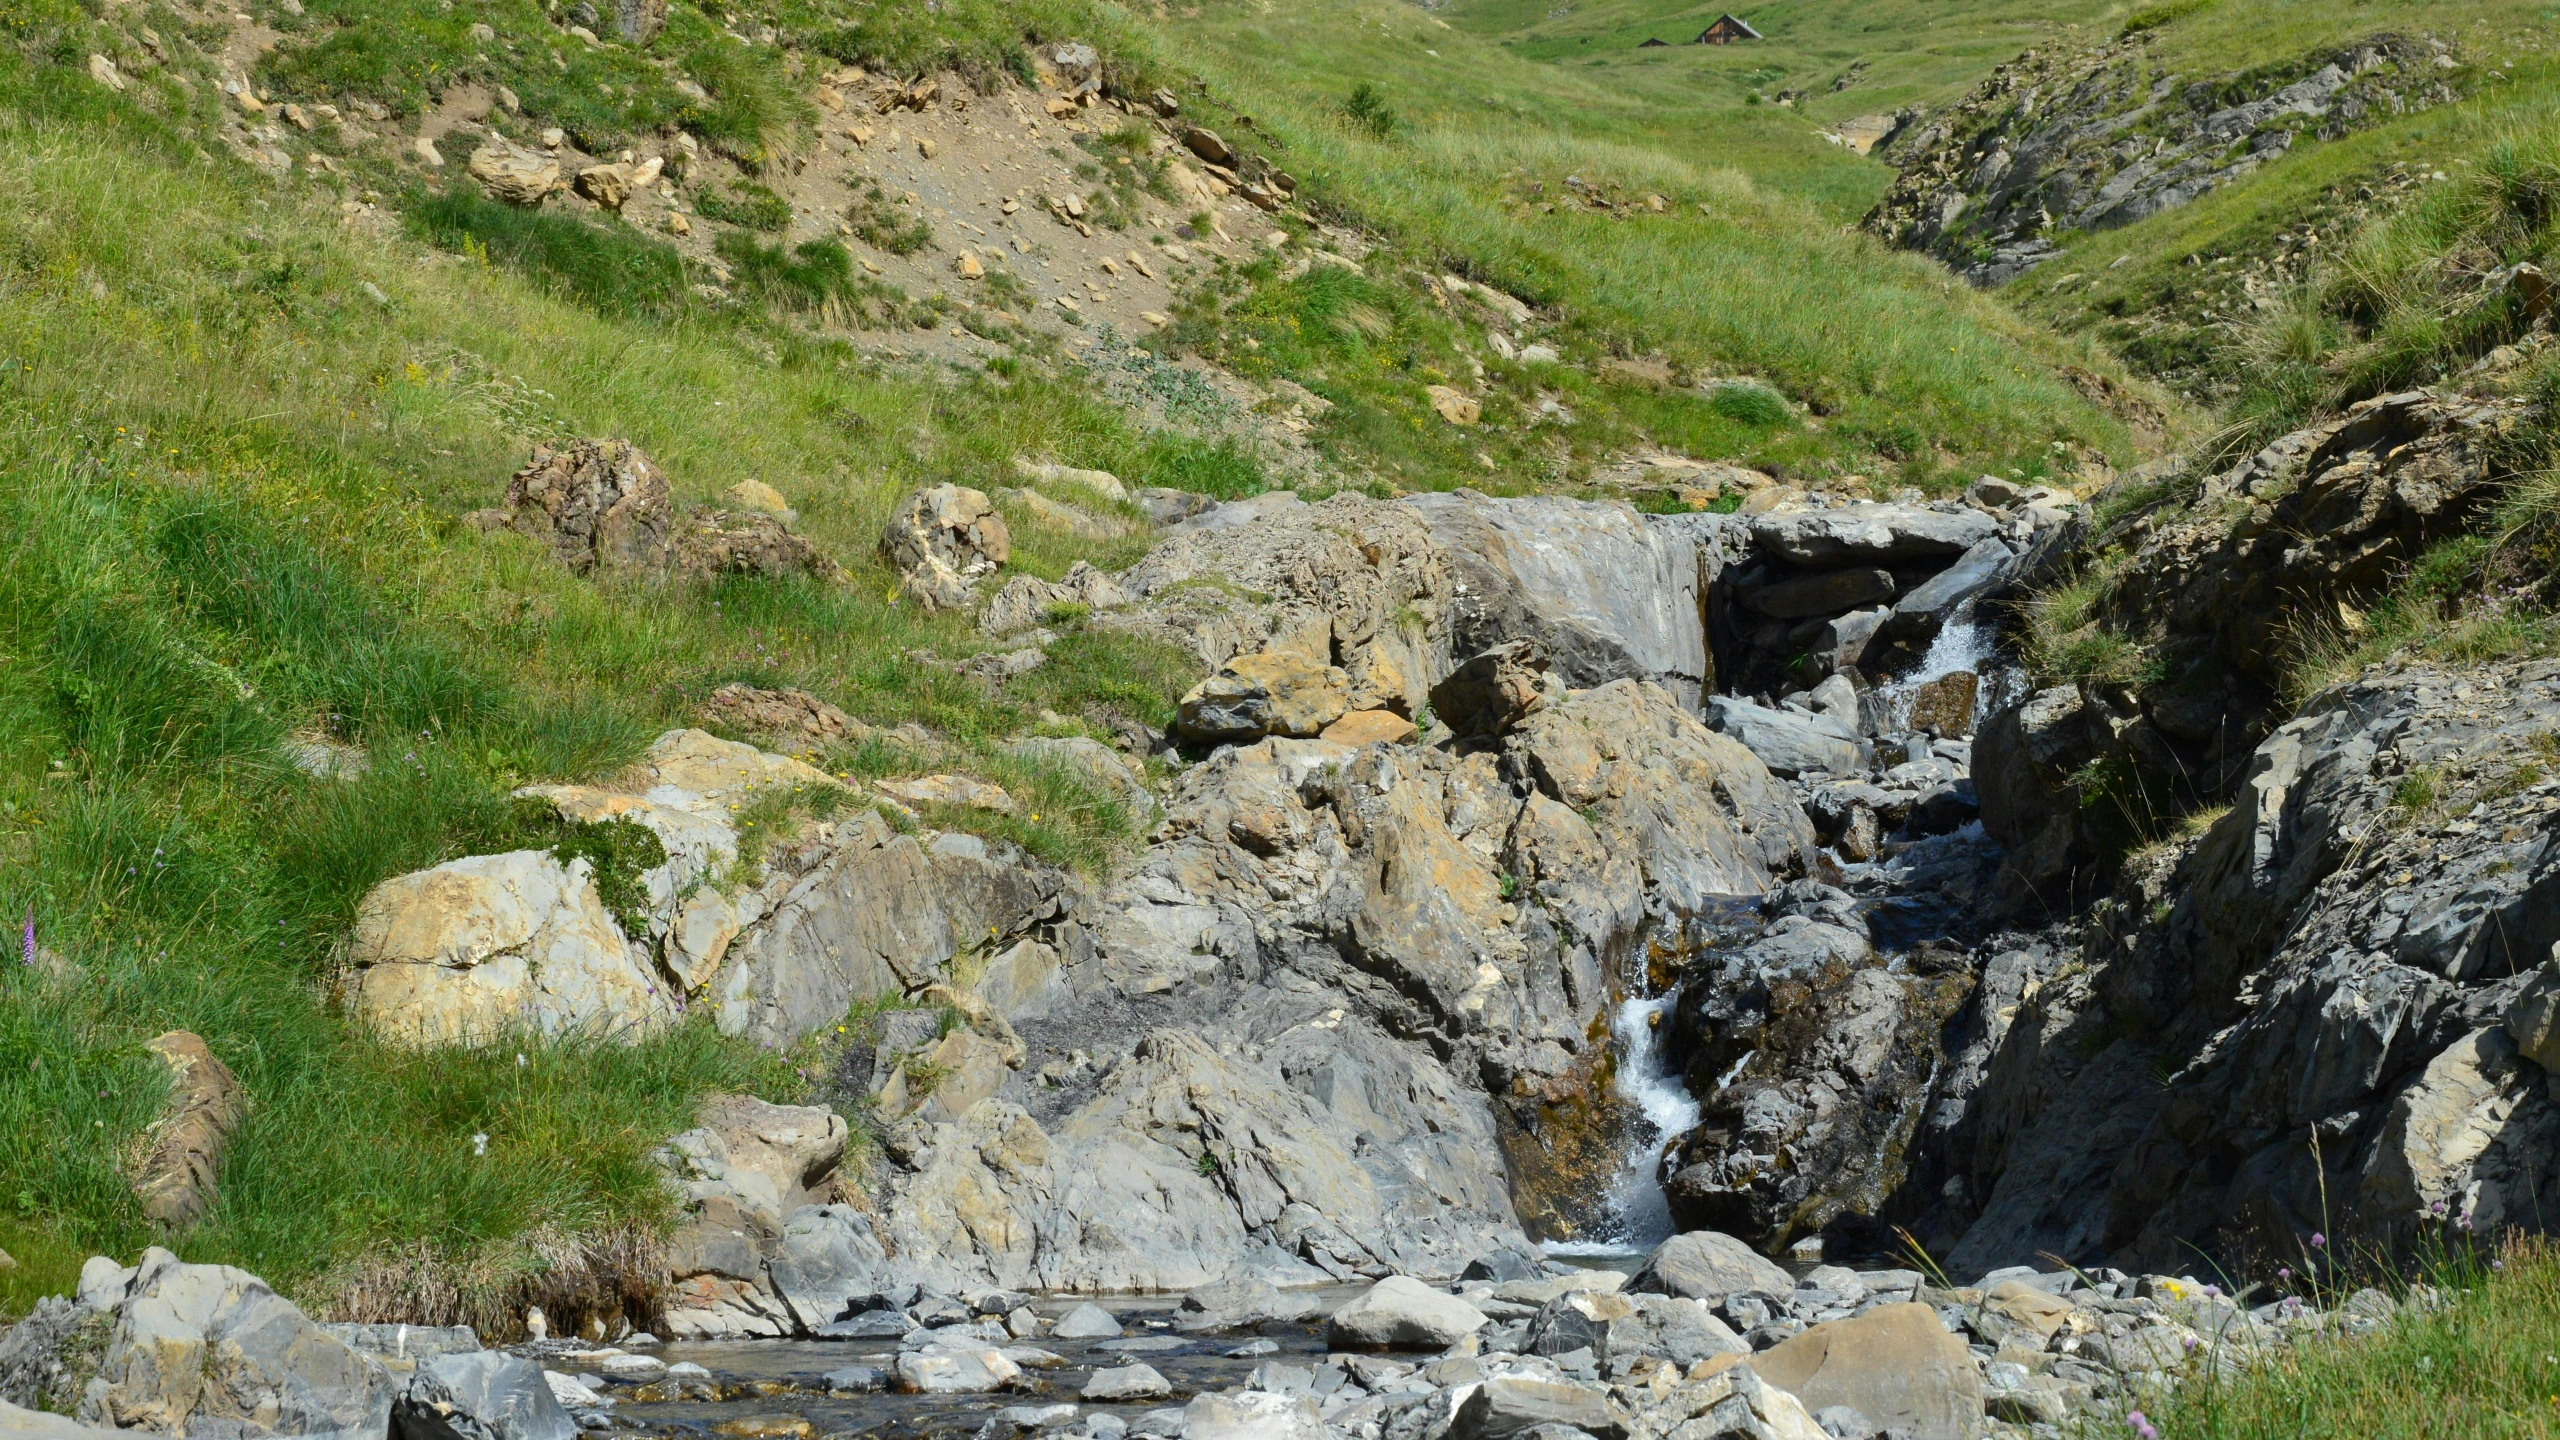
1660	1109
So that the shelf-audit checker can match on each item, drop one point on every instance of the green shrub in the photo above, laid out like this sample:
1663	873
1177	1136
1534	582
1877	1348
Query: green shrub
1367	109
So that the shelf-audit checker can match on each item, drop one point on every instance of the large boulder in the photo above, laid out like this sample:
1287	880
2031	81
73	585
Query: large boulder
1871	534
1252	1415
1895	1364
481	1395
940	540
1706	1265
1508	1406
598	505
476	947
514	173
1605	594
1790	742
206	1104
1402	1313
210	1351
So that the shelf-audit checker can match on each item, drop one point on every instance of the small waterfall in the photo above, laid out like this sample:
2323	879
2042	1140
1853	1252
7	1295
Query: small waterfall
1964	642
1638	1216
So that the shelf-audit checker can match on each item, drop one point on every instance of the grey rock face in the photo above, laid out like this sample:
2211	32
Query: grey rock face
1802	1045
207	1350
1871	534
2381	945
1301	580
864	913
2062	140
482	1395
1605	594
1789	742
44	1358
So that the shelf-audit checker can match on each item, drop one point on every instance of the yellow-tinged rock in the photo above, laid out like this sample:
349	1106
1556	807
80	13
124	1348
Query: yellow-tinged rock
1455	406
1370	727
1305	698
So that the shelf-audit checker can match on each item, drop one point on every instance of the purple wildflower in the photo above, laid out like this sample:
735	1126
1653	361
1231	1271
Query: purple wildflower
27	938
2319	1241
2284	1272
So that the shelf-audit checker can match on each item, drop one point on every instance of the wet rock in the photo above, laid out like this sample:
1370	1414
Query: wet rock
206	1104
1823	592
1250	1415
1945	706
941	540
201	1349
1925	609
482	1395
1894	1363
1087	1322
1239	1302
1399	1313
1706	1265
1802	1045
953	1368
1134	1381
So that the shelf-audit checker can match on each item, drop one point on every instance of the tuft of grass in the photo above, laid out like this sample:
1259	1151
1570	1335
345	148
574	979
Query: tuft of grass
884	224
746	204
2472	1360
608	267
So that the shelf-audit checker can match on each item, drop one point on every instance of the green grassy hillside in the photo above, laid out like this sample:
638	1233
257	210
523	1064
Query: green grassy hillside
249	405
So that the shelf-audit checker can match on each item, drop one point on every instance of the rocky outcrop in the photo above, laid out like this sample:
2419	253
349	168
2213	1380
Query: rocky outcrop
601	507
1813	1060
2327	974
941	540
1350	583
838	911
1857	590
2278	549
1605	594
2089	140
209	1351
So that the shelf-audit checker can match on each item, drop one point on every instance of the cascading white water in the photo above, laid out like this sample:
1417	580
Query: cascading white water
1638	1216
1964	642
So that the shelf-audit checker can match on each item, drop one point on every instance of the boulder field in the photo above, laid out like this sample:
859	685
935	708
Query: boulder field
1705	1341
